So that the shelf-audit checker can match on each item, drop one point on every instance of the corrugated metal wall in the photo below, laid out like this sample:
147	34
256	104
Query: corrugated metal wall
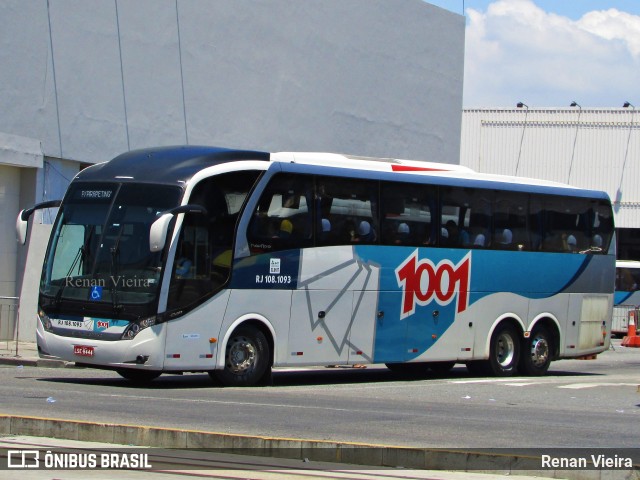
588	148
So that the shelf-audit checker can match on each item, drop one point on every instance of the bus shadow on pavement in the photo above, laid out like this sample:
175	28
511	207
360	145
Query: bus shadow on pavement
346	375
168	381
303	377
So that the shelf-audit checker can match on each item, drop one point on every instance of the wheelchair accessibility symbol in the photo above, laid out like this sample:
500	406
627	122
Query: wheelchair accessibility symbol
96	292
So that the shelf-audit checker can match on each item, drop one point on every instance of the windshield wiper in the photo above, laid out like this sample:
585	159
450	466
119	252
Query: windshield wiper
78	258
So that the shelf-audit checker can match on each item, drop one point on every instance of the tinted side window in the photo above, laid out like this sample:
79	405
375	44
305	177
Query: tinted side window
599	227
283	217
465	217
561	226
627	279
348	211
510	210
407	214
571	224
204	251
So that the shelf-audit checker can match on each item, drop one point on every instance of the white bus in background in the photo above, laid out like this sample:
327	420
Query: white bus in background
231	262
627	294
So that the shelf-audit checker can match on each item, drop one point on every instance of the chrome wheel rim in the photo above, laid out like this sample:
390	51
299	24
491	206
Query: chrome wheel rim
539	351
241	355
505	350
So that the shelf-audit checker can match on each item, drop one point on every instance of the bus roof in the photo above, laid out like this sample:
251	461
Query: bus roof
368	163
437	173
177	164
169	165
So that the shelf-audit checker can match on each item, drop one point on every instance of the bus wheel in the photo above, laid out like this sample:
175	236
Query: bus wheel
138	376
246	358
536	353
504	351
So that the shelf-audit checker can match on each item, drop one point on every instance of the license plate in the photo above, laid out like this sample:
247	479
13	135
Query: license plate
83	350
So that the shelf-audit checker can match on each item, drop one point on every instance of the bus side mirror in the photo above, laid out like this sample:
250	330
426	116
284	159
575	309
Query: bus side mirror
158	232
160	228
21	228
22	222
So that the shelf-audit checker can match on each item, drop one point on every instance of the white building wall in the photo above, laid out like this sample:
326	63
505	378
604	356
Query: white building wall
94	78
17	155
9	197
588	148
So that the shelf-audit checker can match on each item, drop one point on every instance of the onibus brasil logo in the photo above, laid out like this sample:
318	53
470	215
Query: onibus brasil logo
422	282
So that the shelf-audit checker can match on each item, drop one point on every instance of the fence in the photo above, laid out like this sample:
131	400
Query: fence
9	321
620	322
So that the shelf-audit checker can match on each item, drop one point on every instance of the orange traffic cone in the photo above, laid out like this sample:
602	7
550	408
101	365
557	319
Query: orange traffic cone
632	339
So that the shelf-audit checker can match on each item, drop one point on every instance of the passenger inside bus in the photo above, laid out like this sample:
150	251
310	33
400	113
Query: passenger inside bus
506	240
456	237
285	230
185	262
479	241
325	232
402	236
596	242
365	233
570	243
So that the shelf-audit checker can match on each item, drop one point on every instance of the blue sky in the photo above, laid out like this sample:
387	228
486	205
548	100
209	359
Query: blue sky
573	9
548	53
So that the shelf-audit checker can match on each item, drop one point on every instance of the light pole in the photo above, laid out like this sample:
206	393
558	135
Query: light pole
524	126
618	199
575	138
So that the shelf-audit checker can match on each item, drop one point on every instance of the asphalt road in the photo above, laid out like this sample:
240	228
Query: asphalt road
581	404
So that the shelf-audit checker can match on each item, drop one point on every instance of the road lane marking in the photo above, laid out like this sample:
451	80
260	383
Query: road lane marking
579	386
490	380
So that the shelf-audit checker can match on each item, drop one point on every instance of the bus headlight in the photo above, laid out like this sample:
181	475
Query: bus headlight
46	321
136	327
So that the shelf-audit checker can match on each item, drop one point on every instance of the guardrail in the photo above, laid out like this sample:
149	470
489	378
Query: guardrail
9	324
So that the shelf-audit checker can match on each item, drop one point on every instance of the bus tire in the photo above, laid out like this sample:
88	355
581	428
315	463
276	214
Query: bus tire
537	351
246	359
138	376
504	351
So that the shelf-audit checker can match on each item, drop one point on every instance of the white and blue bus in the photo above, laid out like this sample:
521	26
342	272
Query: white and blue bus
627	291
202	259
627	295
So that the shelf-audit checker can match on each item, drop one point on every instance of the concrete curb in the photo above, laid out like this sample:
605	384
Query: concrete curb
315	450
35	362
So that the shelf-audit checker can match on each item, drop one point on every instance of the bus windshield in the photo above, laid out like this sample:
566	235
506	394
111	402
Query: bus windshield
99	249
